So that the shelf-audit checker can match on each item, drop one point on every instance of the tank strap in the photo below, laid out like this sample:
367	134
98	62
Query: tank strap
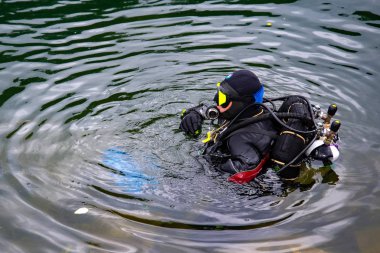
295	134
282	164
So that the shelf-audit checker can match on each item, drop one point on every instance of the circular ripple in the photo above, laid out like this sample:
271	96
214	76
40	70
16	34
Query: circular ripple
89	105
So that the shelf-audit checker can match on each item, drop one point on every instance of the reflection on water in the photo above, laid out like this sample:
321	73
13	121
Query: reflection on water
128	175
310	176
90	97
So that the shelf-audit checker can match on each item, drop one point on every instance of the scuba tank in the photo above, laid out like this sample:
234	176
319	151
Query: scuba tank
301	138
290	143
323	143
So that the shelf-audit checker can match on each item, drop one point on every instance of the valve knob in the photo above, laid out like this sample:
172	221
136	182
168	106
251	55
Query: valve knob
335	125
332	110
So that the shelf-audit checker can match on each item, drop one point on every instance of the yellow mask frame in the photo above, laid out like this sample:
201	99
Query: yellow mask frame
222	98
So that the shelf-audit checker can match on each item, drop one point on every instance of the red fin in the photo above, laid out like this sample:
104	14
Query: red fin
246	176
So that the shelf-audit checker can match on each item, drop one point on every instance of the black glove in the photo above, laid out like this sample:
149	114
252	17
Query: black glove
191	122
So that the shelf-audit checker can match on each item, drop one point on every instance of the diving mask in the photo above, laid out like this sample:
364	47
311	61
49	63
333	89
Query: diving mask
226	94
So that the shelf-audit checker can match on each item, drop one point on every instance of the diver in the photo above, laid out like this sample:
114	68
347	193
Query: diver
250	134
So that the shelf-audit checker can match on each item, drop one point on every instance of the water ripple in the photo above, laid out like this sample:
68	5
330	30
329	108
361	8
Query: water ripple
338	39
89	102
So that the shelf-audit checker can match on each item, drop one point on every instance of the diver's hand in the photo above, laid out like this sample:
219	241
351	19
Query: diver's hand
191	123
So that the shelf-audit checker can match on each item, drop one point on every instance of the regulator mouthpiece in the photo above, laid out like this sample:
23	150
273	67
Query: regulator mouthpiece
210	112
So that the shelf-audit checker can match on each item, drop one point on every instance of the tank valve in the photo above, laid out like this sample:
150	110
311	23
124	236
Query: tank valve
330	113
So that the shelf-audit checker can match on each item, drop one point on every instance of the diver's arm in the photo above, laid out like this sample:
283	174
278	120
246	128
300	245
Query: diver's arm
192	118
248	147
244	155
191	121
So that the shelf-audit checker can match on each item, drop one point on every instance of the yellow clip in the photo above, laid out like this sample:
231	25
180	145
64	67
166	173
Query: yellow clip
183	112
208	137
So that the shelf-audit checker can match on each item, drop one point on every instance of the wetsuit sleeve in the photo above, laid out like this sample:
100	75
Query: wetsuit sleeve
244	155
247	148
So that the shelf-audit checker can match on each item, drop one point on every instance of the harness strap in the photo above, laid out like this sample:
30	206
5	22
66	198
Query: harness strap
282	163
295	134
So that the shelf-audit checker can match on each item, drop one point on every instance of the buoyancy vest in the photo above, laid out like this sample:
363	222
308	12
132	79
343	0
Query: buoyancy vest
290	143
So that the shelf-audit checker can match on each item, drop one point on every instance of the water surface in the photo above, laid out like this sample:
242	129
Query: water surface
90	96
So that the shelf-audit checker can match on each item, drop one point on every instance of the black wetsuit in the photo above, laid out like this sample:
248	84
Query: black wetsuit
244	148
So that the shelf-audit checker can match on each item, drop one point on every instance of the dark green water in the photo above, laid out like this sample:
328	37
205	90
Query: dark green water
78	78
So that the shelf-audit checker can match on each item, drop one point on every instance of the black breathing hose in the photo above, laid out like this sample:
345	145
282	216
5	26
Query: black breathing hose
288	127
302	97
277	116
271	102
266	116
253	104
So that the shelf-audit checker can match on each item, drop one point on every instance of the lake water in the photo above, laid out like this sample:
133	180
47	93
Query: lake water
90	97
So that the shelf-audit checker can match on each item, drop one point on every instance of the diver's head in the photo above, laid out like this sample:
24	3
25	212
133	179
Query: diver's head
238	90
